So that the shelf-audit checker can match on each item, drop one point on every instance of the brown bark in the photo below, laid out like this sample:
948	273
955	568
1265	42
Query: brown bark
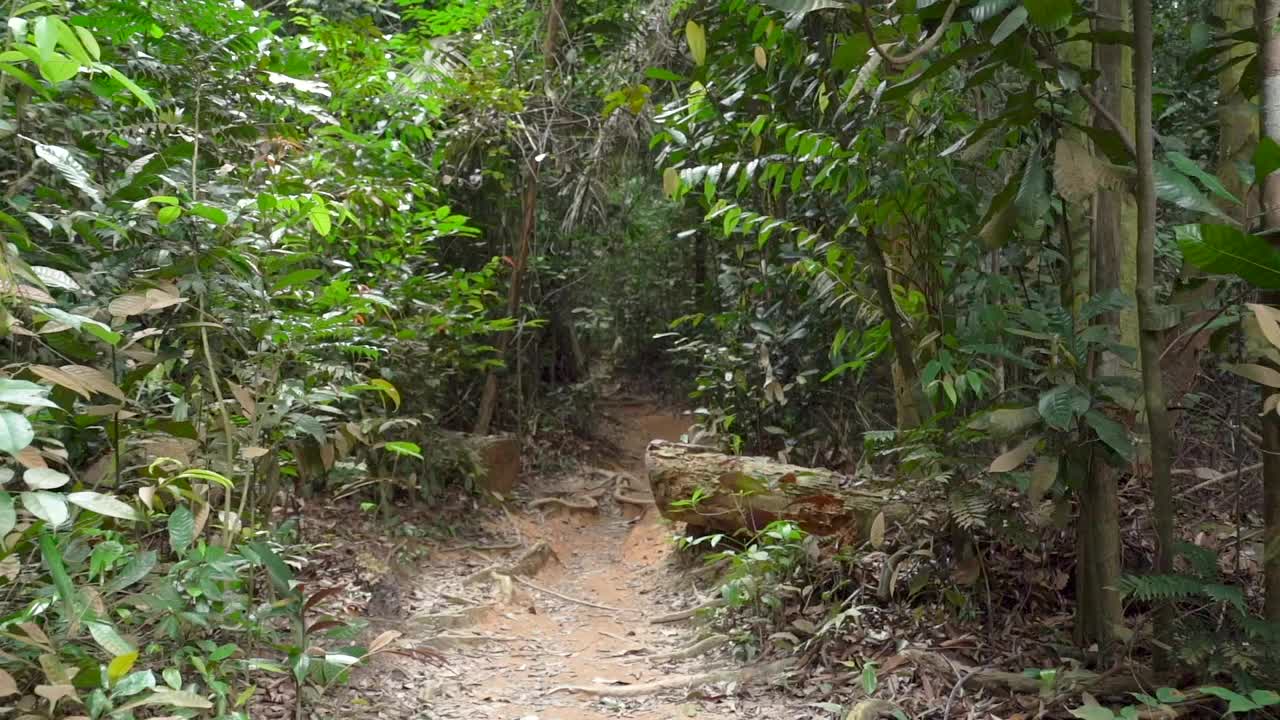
1112	256
747	493
529	203
1152	336
1269	49
913	405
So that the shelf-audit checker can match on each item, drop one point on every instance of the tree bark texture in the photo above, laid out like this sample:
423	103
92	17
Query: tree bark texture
1268	12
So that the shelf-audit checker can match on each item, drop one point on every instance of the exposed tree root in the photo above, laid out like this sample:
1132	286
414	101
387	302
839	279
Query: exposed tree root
529	563
686	614
675	682
1115	682
574	503
622	498
706	644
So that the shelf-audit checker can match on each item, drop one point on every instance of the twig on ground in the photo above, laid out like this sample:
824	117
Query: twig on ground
569	598
686	614
675	682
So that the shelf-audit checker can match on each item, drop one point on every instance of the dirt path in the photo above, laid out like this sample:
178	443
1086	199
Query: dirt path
510	647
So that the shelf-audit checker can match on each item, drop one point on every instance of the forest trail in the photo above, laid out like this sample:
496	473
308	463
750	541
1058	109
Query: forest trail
509	649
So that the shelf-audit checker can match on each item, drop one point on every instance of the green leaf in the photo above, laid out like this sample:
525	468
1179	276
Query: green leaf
1235	701
172	698
987	9
58	572
1111	432
280	574
120	666
210	213
1266	159
1011	24
59	68
1225	250
49	507
134	684
16	432
320	220
103	505
1172	186
8	514
65	163
1058	407
401	447
46	32
1032	200
697	39
297	277
89	42
110	640
1187	166
168	214
801	7
138	567
45	478
128	84
1050	15
1264	698
182	529
666	75
23	392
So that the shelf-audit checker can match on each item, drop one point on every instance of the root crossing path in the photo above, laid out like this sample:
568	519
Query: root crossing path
552	620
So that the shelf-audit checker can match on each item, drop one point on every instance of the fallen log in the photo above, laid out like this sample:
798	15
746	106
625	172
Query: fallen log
747	493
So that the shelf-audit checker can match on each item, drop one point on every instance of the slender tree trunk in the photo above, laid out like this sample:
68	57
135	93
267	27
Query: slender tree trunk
1113	259
1269	48
528	206
913	405
1152	337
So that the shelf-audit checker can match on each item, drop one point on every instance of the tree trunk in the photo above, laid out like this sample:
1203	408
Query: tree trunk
913	405
1113	257
1152	335
529	202
735	493
1269	49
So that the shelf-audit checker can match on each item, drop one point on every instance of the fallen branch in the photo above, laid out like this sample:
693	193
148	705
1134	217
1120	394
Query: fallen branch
568	598
676	682
704	645
1220	477
686	614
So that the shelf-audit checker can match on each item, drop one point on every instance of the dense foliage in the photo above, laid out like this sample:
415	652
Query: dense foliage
259	255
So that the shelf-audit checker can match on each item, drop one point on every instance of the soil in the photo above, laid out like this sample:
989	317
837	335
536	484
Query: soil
507	646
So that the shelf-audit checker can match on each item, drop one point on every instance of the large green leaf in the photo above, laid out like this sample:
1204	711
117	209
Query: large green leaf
61	578
16	432
71	170
1266	158
1225	250
1011	23
103	505
801	7
49	507
987	9
1060	405
22	392
8	514
1050	15
1172	186
1032	200
1187	166
279	572
1110	432
138	567
182	529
